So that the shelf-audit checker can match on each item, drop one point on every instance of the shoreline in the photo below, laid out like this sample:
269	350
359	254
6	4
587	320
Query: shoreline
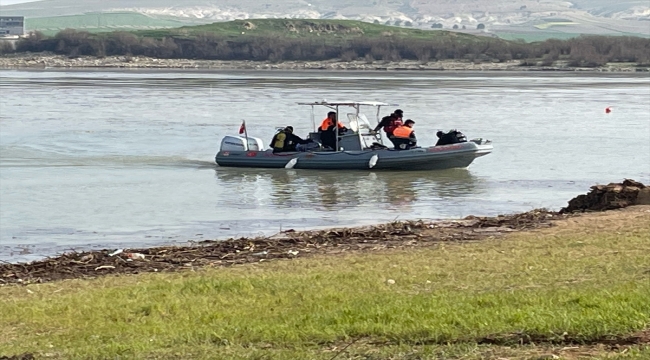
291	244
288	244
49	61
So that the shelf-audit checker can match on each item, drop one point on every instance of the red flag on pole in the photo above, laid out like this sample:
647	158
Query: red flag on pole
242	128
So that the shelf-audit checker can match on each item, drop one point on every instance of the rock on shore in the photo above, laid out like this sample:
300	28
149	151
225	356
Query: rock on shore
46	60
609	197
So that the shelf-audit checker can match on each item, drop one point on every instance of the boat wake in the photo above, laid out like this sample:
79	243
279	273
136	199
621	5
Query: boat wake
22	157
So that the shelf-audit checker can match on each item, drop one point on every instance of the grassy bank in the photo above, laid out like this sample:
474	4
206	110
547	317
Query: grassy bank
581	282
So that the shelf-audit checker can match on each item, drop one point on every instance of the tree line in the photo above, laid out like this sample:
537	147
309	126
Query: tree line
579	51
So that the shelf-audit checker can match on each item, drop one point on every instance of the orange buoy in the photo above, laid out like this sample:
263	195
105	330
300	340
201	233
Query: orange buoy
608	110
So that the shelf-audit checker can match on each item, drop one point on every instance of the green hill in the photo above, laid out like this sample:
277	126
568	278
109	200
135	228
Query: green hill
306	28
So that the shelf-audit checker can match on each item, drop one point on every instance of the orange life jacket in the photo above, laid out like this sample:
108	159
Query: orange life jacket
394	124
403	132
327	123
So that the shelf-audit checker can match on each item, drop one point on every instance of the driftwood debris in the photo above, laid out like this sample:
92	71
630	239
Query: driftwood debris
288	244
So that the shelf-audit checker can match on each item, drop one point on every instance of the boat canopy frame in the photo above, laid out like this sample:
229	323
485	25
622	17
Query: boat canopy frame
354	104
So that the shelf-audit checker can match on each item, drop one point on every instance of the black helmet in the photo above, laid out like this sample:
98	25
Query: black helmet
399	112
289	129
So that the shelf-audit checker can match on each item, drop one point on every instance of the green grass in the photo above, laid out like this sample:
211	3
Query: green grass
588	280
529	36
545	32
99	22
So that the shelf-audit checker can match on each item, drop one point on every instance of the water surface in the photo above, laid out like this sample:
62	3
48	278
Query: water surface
107	159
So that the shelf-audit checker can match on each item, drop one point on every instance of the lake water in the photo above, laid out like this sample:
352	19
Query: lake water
110	159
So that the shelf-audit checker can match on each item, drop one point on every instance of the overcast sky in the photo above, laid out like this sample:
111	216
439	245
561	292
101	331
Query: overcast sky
11	2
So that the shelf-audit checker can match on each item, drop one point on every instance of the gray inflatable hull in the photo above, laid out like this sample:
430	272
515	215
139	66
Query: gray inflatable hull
451	156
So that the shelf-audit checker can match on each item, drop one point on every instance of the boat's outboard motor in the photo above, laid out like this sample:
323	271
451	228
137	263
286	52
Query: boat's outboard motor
238	143
451	137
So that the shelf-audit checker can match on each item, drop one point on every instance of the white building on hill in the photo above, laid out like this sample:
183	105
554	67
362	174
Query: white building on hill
12	25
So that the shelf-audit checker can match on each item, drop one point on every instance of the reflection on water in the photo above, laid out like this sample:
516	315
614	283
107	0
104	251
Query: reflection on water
336	190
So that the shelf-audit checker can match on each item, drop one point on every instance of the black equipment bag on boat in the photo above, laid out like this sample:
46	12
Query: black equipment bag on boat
451	137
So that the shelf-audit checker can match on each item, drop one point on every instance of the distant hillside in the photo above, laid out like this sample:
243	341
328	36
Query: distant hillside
326	30
279	40
526	19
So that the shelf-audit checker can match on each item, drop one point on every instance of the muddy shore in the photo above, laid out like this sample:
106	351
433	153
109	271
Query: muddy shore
291	244
285	245
47	60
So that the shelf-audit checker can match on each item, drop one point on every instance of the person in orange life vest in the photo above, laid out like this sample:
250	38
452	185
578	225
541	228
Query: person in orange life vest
390	123
405	136
328	131
328	122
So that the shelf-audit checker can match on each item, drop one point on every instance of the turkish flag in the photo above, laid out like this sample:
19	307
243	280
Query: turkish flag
242	128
